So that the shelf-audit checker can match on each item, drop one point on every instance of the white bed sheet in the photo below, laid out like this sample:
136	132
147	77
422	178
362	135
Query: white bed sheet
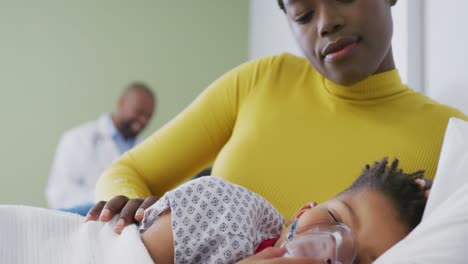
41	236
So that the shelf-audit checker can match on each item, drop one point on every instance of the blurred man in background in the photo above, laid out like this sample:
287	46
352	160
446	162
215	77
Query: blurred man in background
84	152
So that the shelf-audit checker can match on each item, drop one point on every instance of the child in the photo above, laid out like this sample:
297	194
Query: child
210	220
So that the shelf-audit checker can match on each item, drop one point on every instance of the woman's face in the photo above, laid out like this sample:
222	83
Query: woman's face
345	40
369	214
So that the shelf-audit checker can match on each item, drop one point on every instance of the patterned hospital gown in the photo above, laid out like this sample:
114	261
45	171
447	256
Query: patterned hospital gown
214	221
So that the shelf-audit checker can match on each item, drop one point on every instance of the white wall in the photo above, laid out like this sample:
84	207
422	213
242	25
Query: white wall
270	34
446	52
400	38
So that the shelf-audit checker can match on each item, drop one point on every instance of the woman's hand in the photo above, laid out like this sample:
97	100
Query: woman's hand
131	210
273	255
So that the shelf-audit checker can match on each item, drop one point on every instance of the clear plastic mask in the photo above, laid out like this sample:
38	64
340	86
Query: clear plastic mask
322	240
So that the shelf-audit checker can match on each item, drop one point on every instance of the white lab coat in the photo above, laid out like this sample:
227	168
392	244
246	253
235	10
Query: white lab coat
82	155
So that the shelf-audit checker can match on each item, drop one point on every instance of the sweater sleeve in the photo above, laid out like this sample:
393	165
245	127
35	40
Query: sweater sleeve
185	145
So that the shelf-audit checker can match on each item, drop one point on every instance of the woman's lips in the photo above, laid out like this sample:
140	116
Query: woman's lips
339	49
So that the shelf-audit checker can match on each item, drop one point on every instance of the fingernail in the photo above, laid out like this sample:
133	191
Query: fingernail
421	182
119	225
105	214
140	212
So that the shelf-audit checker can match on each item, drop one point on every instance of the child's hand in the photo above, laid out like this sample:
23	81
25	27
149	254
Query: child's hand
273	255
425	185
131	210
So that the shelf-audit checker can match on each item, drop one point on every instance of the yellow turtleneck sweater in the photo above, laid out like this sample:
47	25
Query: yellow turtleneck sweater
280	129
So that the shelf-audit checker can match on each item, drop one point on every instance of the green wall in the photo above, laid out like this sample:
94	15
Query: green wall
64	62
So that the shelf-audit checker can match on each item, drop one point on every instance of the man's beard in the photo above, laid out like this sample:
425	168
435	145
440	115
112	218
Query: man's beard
126	130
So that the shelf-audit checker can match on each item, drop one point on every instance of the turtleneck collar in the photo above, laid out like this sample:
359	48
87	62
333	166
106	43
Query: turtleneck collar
377	86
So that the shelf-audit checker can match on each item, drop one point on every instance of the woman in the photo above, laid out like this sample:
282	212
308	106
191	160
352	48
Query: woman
268	123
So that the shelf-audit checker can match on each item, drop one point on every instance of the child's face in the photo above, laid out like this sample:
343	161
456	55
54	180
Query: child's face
345	40
369	214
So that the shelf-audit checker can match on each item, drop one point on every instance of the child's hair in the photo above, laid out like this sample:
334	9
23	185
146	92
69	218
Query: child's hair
401	188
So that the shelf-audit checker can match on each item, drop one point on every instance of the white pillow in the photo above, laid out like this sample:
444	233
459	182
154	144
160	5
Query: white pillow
442	236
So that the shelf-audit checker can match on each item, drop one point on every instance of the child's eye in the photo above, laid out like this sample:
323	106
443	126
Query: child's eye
333	217
304	19
356	261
